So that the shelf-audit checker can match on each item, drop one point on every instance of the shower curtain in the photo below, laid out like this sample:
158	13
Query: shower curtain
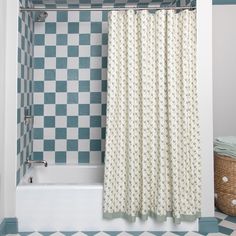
152	160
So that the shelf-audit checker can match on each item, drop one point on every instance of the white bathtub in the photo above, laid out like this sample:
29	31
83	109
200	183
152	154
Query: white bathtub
69	198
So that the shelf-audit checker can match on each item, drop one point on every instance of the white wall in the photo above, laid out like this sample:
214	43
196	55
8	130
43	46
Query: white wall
2	84
224	69
204	72
8	105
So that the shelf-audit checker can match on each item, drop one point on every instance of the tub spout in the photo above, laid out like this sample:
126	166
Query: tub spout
30	162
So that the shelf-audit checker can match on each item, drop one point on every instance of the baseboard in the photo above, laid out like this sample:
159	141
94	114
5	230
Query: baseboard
208	225
224	2
9	226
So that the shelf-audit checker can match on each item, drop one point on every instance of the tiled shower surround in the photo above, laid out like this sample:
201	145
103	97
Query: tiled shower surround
24	88
70	61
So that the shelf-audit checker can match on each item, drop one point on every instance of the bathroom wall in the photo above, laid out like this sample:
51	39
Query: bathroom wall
2	106
224	69
70	51
24	88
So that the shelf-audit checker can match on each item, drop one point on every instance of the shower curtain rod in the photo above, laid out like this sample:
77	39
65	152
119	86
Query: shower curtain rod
106	9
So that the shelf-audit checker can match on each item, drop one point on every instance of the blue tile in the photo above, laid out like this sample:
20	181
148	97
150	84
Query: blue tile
104	39
61	110
104	62
62	16
49	98
231	219
84	62
38	156
61	133
38	133
49	121
50	74
84	16
96	51
72	121
73	28
83	157
96	27
95	145
61	39
84	39
104	109
39	39
73	51
72	98
38	110
61	86
38	86
84	86
84	109
60	157
38	63
104	86
61	63
83	133
103	133
95	97
50	28
72	145
49	145
105	16
95	121
72	74
225	230
50	51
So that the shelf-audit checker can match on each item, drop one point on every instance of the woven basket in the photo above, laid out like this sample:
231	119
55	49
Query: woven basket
225	184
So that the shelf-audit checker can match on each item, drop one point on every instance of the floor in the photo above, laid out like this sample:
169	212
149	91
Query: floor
227	226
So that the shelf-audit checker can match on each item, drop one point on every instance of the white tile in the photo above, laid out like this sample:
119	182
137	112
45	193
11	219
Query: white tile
104	27
79	234
72	110
84	27
60	145
61	98
52	17
61	51
50	86
95	158
49	133
72	86
84	74
193	234
233	234
49	110
84	98
72	158
35	234
72	133
96	39
60	122
170	234
73	16
95	109
50	62
95	86
38	75
57	234
124	234
38	122
50	39
96	16
38	98
62	28
216	234
146	234
39	28
61	74
95	133
220	215
228	224
72	62
84	51
84	145
49	157
39	51
101	234
73	39
38	145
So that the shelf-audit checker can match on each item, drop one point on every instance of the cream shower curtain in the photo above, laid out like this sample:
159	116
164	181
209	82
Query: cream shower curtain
152	163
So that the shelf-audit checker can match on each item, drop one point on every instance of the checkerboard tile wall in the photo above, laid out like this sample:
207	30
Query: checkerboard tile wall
70	60
24	90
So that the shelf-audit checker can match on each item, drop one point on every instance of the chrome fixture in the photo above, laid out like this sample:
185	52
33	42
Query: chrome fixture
41	16
30	162
28	117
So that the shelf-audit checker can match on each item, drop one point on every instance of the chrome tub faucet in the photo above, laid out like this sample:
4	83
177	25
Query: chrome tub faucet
30	162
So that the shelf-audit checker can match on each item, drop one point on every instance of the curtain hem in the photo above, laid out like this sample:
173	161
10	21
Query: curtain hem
158	218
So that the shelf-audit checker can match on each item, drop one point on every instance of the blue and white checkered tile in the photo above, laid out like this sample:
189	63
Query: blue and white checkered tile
24	88
70	87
